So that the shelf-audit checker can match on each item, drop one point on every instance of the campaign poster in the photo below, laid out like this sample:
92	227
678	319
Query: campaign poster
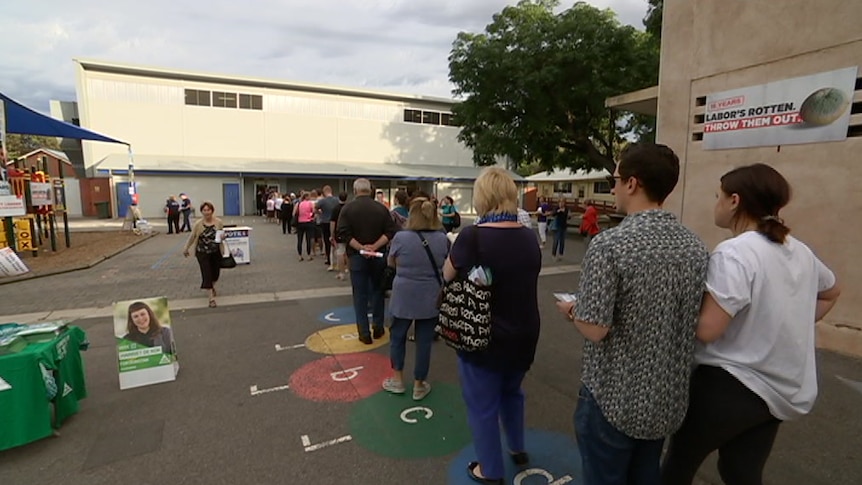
238	241
807	109
146	348
41	193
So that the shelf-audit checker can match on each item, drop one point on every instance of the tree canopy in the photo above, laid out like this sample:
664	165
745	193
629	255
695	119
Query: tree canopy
17	145
652	21
534	83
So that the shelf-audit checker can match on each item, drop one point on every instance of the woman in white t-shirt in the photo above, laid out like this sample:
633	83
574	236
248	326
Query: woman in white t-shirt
756	360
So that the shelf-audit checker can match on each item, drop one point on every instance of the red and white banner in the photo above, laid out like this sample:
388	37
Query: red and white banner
808	109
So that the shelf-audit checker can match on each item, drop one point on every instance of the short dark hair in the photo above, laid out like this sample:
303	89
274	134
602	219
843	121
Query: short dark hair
207	204
655	166
342	196
762	193
401	197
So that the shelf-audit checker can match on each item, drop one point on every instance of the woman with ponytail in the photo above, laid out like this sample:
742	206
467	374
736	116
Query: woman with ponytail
756	360
417	253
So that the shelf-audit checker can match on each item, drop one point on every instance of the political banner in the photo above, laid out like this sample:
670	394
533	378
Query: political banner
146	349
807	109
11	206
41	193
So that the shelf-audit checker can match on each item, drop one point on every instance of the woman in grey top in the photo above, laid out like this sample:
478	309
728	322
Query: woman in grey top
414	292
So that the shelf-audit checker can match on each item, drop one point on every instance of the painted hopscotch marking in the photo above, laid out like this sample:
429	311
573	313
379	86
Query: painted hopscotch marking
520	477
257	392
279	348
306	443
404	414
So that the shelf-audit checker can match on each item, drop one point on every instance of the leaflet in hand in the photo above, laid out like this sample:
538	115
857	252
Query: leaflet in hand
566	297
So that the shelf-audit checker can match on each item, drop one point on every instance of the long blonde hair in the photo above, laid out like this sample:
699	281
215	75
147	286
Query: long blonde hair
423	216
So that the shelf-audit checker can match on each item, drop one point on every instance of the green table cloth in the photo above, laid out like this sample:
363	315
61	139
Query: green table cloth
26	412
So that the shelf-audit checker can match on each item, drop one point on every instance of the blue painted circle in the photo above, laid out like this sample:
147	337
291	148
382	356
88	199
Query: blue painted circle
551	455
342	315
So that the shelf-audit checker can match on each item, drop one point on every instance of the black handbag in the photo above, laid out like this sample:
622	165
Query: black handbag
388	278
464	322
227	262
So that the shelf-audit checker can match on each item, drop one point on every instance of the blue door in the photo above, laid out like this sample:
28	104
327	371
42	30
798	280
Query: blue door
124	200
230	196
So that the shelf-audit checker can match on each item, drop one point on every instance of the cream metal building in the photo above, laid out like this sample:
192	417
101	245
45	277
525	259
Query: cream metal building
222	137
580	185
711	46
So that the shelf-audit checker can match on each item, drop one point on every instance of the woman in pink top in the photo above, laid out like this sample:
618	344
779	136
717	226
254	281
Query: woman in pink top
305	225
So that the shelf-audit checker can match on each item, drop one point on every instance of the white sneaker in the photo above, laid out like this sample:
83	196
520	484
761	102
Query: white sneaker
419	392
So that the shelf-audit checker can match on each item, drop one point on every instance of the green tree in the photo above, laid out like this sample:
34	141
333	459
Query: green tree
17	145
534	84
652	21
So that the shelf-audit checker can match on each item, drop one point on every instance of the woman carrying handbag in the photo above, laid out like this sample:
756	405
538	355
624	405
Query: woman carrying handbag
206	238
418	253
491	376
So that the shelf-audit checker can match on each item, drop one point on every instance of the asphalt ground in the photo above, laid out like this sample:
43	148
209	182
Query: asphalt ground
258	400
252	404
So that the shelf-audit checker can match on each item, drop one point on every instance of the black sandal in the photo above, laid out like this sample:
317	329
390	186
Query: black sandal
471	472
521	458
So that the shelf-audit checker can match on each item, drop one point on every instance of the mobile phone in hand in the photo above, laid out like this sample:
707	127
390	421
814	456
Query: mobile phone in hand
566	297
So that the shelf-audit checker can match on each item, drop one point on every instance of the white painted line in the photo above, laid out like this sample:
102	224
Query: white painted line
330	317
306	443
256	392
279	348
232	300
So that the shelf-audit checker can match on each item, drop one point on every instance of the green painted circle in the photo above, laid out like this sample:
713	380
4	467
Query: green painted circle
376	424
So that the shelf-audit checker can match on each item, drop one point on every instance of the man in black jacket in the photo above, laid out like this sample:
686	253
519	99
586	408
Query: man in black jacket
366	227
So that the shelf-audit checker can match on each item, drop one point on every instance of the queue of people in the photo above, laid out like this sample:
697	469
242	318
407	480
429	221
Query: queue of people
709	351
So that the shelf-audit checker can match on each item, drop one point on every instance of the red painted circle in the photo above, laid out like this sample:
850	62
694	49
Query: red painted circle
341	378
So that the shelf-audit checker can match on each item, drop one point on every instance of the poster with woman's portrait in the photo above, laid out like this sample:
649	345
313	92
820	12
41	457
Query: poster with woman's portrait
146	348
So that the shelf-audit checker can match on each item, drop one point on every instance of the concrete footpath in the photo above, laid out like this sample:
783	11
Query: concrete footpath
274	387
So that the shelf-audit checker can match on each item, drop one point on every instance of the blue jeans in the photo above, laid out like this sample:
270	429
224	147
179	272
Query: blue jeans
609	456
493	399
424	338
365	277
559	246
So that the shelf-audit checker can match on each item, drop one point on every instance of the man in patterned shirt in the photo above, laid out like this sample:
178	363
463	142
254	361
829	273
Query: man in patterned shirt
638	302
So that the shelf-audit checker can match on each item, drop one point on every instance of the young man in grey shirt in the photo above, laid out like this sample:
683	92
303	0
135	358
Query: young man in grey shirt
638	303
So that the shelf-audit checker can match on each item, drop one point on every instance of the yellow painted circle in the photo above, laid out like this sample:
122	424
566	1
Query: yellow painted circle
341	339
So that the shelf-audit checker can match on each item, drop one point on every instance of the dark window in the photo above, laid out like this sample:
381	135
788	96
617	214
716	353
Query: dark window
250	101
601	188
412	116
563	187
430	118
195	97
581	190
224	100
448	119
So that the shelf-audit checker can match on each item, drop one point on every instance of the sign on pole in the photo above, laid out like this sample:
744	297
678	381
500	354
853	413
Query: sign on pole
41	193
807	109
146	349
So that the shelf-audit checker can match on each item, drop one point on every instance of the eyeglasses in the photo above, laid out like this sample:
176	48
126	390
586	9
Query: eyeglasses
612	180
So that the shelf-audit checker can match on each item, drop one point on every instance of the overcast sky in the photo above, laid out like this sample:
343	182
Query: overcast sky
392	45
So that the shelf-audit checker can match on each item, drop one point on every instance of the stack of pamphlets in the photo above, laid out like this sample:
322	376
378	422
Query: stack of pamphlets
42	332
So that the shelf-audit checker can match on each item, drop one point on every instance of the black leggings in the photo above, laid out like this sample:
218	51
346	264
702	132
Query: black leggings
723	415
304	230
210	264
327	244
